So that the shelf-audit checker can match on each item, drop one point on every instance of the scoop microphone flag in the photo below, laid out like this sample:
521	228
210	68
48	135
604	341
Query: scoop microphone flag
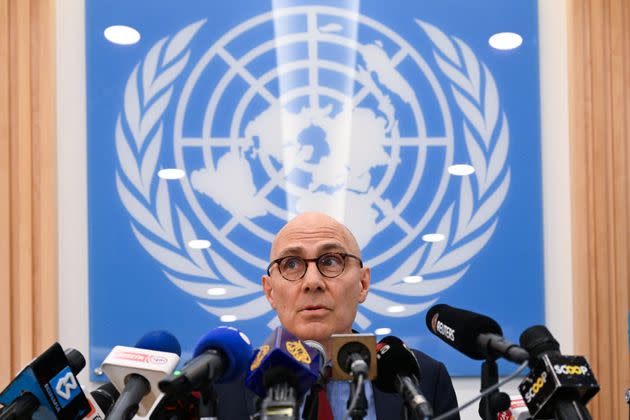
475	335
557	386
47	388
135	372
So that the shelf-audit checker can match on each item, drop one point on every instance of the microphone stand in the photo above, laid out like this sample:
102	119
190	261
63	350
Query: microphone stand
495	402
208	403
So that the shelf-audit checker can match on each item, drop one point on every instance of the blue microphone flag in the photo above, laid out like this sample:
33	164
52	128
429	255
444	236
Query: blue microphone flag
284	349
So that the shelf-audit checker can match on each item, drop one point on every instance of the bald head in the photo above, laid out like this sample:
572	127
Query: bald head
314	224
315	306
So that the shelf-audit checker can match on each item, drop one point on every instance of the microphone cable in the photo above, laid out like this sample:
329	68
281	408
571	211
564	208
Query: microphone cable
355	397
483	394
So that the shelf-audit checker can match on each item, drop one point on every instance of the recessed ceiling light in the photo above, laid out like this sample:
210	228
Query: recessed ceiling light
395	309
382	331
199	244
217	291
228	318
505	41
460	170
171	173
433	237
121	34
412	279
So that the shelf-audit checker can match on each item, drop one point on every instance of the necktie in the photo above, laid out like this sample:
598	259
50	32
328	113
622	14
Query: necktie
324	410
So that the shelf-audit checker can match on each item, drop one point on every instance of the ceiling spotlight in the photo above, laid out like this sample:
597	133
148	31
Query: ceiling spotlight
171	173
121	34
217	291
396	309
433	237
199	244
461	170
505	41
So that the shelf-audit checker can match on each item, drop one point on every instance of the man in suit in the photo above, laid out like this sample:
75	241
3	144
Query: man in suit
315	282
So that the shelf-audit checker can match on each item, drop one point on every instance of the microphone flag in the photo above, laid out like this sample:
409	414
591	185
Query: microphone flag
284	349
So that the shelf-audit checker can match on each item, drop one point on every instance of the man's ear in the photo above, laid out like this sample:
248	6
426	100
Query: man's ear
268	289
365	284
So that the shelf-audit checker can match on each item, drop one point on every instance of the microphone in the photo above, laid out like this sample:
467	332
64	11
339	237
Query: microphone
47	388
22	407
135	372
316	345
353	357
353	354
475	335
220	356
101	400
282	371
399	372
557	386
105	396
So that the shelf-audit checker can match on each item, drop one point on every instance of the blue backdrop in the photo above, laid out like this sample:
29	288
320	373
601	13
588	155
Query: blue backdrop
273	108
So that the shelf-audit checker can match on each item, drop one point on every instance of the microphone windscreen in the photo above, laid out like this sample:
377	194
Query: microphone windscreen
537	340
460	328
394	358
105	396
233	344
76	361
159	340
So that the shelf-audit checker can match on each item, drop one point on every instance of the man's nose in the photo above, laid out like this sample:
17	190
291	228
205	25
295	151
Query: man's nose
313	279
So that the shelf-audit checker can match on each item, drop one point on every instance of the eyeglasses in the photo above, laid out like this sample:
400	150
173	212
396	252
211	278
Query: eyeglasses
329	265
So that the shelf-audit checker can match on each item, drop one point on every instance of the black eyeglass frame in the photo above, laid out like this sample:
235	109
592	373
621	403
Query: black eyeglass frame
343	255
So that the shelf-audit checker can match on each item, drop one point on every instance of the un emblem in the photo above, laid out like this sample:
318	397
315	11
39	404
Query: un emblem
292	111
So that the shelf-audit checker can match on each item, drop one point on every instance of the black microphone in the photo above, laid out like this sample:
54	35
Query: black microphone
557	386
103	398
475	335
23	407
47	387
399	372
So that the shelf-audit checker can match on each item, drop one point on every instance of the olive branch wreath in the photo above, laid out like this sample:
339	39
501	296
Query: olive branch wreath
441	264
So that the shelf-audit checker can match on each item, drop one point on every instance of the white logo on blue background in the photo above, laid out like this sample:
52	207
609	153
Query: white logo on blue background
66	386
312	119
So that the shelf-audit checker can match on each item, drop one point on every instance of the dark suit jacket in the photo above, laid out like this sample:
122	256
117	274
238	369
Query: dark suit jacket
235	402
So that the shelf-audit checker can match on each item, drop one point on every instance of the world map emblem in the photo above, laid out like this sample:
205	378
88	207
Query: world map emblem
309	116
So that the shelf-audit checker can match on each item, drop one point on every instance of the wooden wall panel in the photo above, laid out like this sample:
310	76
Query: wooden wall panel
5	255
44	194
28	218
599	51
599	47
